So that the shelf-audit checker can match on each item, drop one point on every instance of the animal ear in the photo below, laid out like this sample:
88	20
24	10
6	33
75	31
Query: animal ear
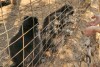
36	20
71	13
26	17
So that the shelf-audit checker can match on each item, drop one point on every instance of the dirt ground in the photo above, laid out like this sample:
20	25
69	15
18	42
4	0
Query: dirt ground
73	54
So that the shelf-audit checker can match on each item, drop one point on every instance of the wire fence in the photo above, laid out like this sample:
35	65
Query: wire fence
46	33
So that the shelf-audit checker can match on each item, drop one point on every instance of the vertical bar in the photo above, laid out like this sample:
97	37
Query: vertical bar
23	44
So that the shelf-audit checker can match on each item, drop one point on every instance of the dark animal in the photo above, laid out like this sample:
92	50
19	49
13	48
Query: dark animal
4	3
54	23
57	18
29	30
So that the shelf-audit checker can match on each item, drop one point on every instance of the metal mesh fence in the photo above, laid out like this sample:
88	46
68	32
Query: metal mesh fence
47	33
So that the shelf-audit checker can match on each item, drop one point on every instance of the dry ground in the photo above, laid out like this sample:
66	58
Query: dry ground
70	55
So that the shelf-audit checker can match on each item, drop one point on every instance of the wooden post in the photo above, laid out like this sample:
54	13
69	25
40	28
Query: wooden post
14	2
